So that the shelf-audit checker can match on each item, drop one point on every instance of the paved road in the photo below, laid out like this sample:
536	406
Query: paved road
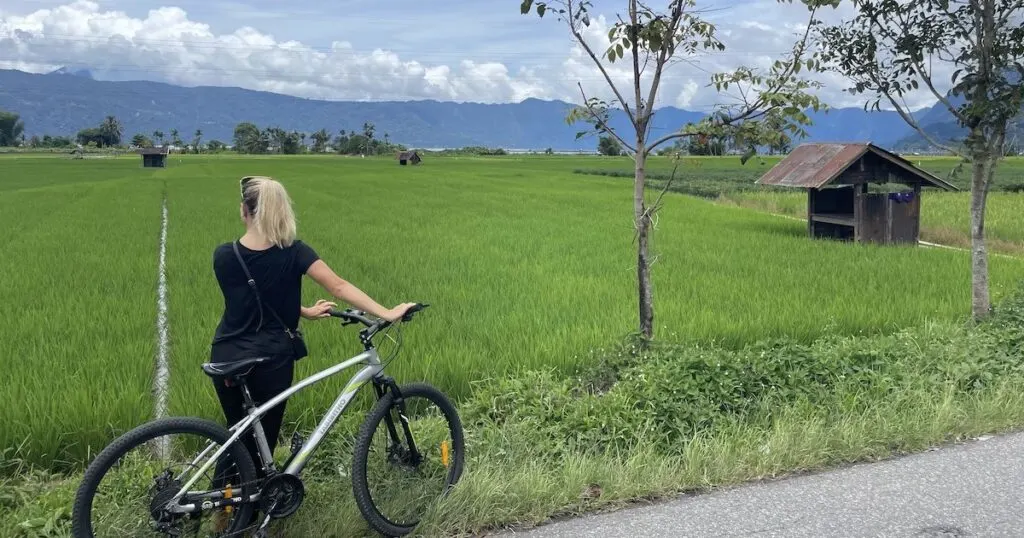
974	489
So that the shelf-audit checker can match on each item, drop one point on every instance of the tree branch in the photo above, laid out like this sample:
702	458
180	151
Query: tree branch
923	73
597	118
579	38
668	137
641	113
751	111
917	127
663	53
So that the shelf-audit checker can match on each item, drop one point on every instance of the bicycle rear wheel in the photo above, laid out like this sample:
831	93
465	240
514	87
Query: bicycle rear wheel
394	485
144	469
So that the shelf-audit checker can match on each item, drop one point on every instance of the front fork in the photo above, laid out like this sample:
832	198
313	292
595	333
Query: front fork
381	386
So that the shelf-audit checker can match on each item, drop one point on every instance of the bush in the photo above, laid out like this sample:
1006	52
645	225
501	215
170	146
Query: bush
669	393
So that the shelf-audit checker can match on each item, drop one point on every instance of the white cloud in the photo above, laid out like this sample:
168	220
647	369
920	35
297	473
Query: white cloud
166	44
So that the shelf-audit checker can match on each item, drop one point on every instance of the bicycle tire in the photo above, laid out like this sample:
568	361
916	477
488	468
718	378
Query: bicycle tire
360	487
81	526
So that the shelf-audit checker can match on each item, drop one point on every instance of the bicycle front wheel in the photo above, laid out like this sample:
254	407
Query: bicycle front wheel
404	462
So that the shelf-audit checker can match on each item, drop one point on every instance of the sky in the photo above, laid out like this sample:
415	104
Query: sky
470	50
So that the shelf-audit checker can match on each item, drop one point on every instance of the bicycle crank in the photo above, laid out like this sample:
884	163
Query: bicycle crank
281	495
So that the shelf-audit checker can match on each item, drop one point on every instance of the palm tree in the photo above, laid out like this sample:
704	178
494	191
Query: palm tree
197	140
11	128
159	136
112	130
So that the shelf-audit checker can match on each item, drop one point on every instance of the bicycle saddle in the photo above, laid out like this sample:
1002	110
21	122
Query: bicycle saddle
234	370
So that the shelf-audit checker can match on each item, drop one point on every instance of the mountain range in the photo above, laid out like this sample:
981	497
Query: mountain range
64	101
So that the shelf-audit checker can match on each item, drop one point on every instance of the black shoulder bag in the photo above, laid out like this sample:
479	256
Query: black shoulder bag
295	337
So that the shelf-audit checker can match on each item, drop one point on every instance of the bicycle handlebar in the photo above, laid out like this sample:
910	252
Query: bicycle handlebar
350	316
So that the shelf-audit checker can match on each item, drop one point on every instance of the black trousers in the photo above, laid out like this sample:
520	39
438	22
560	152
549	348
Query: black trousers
263	383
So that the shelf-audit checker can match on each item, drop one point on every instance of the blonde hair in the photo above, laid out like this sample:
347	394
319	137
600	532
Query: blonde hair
271	209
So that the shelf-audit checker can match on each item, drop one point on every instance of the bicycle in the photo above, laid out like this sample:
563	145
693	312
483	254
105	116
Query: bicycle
171	501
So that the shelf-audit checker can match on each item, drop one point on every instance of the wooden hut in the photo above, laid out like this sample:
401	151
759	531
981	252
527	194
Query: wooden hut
154	157
840	204
406	157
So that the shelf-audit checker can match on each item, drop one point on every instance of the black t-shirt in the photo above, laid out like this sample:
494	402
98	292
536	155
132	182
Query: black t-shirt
278	274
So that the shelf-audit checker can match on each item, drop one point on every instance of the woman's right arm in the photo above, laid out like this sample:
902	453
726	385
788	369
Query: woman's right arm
346	291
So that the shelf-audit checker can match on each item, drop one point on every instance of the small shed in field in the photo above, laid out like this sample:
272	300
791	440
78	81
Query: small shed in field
154	157
840	204
407	157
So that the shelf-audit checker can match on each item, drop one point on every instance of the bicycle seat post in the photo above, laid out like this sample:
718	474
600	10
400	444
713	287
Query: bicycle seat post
261	438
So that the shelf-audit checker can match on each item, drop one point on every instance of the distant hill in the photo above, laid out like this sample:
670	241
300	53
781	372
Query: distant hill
65	101
940	123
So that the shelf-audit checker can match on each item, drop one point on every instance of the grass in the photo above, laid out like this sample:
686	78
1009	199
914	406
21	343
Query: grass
562	261
709	176
945	217
528	266
78	306
531	457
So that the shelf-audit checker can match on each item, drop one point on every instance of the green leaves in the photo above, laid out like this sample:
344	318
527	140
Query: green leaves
891	47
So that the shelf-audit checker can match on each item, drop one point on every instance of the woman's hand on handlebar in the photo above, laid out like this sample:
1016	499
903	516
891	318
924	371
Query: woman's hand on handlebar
322	309
397	312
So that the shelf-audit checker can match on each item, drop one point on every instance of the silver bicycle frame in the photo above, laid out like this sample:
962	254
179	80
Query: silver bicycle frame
373	368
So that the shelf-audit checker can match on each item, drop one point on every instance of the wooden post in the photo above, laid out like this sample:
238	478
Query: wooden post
917	221
810	213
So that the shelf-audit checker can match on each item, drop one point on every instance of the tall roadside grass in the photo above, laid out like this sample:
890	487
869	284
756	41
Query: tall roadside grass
78	304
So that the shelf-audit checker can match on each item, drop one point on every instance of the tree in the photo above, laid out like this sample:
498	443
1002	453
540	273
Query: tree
140	141
197	140
91	136
291	143
159	137
652	41
11	128
249	139
368	129
175	140
706	145
891	48
320	140
111	130
607	145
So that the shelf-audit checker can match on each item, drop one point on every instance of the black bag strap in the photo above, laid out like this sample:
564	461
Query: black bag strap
259	300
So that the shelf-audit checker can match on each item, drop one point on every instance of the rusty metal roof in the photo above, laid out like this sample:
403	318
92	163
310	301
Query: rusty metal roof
813	166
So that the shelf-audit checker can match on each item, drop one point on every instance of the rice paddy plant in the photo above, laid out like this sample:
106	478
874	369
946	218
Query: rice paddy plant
527	265
532	267
945	217
78	304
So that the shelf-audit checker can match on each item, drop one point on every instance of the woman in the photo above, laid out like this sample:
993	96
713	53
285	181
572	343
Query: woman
251	325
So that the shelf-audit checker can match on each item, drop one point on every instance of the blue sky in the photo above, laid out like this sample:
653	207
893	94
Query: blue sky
357	49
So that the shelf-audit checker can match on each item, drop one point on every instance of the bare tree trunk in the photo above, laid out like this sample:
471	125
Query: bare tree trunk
643	268
981	170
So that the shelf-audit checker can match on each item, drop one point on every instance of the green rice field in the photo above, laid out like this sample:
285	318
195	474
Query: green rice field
525	262
945	216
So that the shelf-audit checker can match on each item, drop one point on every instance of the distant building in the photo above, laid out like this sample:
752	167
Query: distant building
154	157
407	157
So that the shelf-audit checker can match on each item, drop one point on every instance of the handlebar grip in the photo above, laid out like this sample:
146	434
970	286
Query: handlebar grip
412	310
